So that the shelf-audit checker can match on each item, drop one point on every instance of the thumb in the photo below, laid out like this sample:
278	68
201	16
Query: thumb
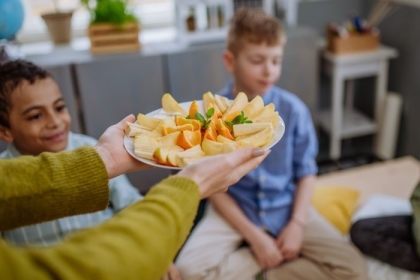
121	124
248	159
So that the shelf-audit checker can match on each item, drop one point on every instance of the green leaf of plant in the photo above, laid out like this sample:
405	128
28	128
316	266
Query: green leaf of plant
210	113
188	117
110	11
230	124
206	124
238	119
200	118
248	121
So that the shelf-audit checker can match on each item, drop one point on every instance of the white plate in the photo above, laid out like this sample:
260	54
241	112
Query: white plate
160	113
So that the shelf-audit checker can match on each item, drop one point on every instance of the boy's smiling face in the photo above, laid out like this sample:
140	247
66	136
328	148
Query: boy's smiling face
255	67
38	118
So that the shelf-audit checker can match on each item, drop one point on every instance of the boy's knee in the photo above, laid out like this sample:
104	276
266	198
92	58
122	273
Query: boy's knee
356	268
187	269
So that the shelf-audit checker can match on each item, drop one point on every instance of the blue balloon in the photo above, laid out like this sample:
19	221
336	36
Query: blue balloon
11	18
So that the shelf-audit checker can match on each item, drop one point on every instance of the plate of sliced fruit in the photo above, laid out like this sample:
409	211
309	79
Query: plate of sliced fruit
180	134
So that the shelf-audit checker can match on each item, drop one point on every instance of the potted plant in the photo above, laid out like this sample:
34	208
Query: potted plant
58	24
113	28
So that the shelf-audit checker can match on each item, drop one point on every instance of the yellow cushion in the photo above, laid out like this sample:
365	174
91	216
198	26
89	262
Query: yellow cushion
336	204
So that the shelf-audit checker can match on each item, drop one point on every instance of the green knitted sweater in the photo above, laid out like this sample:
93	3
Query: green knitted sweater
138	243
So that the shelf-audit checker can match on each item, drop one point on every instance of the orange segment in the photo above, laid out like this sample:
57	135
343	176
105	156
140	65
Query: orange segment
223	129
188	139
170	129
210	133
182	121
193	109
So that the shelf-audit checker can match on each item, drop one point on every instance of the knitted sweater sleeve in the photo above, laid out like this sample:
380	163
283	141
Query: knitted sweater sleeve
138	243
51	186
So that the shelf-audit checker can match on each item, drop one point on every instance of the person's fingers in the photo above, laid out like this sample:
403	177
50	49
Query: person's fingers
273	261
244	154
130	118
246	162
290	256
280	243
257	152
263	263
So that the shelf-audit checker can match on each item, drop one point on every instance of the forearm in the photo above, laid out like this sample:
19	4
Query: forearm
138	243
229	209
51	186
303	197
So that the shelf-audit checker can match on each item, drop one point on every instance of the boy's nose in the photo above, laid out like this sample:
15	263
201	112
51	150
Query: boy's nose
267	69
53	121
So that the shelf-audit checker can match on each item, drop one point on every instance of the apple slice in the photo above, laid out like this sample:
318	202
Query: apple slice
168	140
194	152
258	139
146	121
170	105
145	151
212	148
161	155
173	151
254	106
241	100
133	129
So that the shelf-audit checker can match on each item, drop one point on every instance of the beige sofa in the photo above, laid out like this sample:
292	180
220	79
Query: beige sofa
395	178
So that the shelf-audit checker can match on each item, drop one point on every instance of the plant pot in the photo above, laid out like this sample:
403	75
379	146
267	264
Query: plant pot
111	38
191	23
59	26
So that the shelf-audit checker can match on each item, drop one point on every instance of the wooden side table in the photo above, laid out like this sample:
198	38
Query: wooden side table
343	122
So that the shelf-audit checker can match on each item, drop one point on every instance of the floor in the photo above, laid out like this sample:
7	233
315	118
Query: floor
355	152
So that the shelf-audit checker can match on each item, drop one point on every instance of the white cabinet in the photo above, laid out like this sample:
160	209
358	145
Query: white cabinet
341	121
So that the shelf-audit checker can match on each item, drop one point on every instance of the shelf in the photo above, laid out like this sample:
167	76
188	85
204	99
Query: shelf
354	123
202	36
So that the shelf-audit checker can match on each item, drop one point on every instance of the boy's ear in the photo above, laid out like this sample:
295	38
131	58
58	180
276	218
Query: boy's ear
229	61
5	135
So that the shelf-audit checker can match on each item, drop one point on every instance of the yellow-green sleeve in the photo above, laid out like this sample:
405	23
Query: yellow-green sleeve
51	186
415	204
138	243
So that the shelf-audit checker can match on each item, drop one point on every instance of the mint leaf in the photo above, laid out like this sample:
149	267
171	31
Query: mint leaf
188	117
200	117
210	113
238	119
206	124
230	124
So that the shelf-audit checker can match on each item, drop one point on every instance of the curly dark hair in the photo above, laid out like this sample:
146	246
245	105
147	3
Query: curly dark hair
12	75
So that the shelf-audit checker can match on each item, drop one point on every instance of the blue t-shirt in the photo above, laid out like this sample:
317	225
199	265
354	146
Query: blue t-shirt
266	194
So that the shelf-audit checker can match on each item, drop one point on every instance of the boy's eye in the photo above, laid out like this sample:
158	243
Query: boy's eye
257	61
35	117
60	108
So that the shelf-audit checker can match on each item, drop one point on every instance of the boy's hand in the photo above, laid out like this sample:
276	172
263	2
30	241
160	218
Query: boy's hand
172	274
267	253
290	241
